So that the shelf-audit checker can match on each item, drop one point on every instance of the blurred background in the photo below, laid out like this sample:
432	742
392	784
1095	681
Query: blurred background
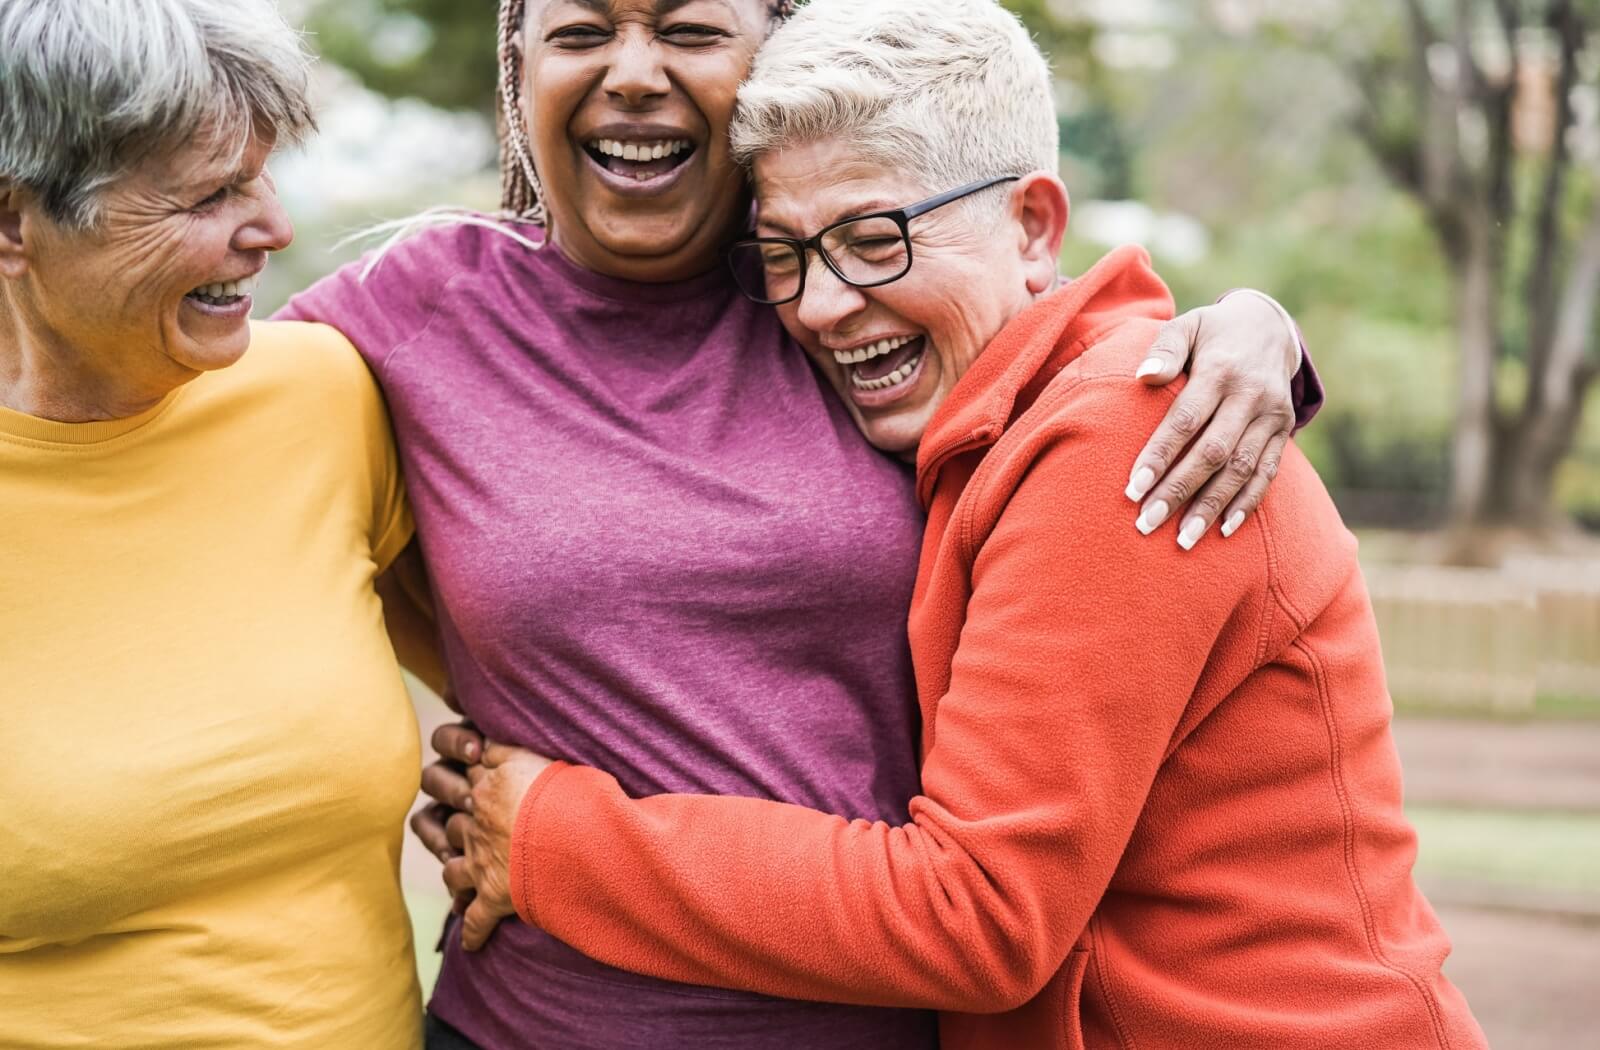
1419	182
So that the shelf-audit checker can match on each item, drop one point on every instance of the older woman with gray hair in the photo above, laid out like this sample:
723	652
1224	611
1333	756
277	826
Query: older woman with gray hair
208	751
1191	836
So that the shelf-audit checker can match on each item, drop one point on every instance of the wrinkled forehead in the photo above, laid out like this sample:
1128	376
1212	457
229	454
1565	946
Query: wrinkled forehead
754	11
802	187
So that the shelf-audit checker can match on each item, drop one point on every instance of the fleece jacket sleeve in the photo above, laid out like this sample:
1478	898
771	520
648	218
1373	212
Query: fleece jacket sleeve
1081	647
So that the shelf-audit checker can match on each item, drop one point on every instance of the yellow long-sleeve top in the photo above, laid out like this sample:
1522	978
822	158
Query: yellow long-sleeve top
206	749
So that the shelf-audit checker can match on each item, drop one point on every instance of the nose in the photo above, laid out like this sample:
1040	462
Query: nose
827	301
636	74
268	228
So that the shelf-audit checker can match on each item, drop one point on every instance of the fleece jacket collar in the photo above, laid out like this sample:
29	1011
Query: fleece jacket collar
1031	350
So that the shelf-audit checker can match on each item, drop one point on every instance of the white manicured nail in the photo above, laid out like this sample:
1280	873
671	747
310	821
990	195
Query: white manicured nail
1152	517
1231	526
1143	478
1193	529
1150	367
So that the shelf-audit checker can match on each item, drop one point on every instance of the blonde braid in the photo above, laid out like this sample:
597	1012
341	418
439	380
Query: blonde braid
521	194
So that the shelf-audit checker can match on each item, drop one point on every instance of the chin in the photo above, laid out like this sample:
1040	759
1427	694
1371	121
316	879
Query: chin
896	437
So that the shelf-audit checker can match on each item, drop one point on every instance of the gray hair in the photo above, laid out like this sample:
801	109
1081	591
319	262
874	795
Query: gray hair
89	88
953	90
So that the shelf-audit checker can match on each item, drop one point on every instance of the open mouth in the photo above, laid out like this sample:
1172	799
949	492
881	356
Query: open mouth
225	294
884	365
641	161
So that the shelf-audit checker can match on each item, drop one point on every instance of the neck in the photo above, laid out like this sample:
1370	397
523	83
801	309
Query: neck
43	378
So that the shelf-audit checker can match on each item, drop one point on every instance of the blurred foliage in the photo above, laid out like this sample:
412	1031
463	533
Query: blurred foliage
441	51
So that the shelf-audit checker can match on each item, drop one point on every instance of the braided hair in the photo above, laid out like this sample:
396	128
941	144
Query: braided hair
521	195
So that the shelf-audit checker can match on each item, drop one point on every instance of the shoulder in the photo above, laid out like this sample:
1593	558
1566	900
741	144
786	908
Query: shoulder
309	370
388	295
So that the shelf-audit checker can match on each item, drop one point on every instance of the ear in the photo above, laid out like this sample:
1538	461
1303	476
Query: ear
1040	207
13	249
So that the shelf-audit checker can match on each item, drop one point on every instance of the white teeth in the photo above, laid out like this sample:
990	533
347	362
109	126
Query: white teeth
639	151
867	353
229	289
898	376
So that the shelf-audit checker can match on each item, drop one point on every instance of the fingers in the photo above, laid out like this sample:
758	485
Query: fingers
427	824
1255	489
445	784
456	829
1217	493
458	878
499	754
458	743
1208	455
1190	411
477	925
1170	352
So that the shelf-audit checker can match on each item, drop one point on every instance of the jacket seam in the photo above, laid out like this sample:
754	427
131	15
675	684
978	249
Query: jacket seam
1270	551
1347	817
1100	960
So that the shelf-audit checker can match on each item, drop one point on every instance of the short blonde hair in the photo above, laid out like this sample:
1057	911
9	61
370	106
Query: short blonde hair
954	90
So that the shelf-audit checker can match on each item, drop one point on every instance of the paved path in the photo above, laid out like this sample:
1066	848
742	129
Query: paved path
1501	765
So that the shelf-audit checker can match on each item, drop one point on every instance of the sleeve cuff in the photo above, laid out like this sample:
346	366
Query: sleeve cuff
1294	329
524	841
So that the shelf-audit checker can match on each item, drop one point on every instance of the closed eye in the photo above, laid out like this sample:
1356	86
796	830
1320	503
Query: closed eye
579	36
693	35
212	201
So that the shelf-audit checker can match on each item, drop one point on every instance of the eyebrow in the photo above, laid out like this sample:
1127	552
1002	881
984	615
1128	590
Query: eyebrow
855	211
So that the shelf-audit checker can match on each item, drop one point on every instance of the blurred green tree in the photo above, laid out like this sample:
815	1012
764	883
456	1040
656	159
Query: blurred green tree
1483	111
441	51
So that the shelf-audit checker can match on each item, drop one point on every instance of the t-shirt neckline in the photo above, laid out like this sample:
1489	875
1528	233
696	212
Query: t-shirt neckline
37	430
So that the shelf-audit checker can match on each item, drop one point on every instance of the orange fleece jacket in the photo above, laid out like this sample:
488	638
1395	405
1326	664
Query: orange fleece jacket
1161	804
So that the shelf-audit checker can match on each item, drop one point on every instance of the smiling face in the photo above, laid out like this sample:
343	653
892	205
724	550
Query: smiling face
895	352
628	104
160	288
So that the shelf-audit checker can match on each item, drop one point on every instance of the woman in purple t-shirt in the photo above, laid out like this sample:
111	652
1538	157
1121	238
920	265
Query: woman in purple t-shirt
655	541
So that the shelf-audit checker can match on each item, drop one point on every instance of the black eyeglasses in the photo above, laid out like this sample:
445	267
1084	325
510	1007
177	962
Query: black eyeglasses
865	251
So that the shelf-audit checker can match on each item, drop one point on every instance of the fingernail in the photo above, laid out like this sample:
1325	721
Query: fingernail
470	749
1143	478
1231	526
468	805
1152	517
1193	529
1150	367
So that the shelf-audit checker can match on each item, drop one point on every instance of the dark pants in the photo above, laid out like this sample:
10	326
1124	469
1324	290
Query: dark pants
436	1035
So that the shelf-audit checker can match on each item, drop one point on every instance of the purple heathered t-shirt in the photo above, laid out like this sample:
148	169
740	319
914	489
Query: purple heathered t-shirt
658	547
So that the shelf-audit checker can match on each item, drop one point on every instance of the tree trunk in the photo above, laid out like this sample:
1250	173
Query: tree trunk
1474	451
1556	391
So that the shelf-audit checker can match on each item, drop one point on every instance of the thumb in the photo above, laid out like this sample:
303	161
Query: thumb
1169	353
476	925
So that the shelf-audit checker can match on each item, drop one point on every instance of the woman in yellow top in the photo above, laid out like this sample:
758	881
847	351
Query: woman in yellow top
206	750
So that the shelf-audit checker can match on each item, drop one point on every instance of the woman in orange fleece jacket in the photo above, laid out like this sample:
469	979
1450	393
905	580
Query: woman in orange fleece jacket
1189	837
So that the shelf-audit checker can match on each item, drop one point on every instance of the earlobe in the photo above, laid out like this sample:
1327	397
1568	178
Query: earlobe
1043	210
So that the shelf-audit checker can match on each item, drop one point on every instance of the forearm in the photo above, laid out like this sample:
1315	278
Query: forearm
408	618
787	901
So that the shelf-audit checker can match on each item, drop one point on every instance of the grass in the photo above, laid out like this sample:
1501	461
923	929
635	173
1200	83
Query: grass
1547	708
1536	850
